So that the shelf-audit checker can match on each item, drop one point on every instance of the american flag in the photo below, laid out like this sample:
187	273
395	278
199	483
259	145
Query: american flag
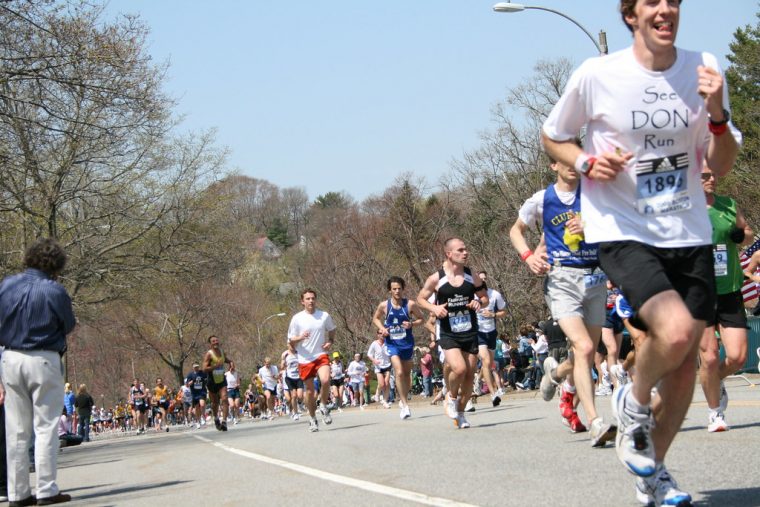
749	289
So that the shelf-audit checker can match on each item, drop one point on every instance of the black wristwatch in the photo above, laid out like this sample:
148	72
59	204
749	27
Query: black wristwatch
726	117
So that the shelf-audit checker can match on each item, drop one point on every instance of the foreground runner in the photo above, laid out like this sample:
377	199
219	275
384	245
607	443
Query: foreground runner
458	297
575	292
643	202
729	230
394	318
213	366
312	332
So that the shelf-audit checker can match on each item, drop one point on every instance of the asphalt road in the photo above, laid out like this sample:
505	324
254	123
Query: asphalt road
516	454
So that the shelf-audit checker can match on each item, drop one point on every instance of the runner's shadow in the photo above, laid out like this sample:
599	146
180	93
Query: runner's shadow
349	427
488	425
129	489
735	497
69	490
732	427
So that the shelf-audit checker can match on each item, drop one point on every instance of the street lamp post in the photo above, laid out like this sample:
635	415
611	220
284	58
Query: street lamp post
601	46
258	326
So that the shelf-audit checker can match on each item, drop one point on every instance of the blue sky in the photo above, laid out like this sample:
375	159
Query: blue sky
347	95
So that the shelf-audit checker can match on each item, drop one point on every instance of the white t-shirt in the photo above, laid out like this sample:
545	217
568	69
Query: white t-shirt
541	346
318	324
291	365
356	371
495	303
233	379
532	210
662	120
269	376
379	352
336	370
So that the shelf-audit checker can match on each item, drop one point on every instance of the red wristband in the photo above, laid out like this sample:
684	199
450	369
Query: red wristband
717	130
525	255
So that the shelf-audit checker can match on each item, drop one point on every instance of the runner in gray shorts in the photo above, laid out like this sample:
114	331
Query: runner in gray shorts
567	294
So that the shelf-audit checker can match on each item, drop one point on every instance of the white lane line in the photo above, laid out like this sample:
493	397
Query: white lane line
381	489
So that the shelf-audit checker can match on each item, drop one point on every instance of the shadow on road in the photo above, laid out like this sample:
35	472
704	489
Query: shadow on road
512	421
77	464
735	497
127	490
340	428
703	427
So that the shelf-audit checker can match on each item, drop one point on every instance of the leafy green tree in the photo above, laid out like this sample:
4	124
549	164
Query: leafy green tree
743	77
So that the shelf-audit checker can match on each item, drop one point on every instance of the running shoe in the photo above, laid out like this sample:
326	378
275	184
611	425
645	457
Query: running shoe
470	406
620	374
603	390
717	422
217	424
313	425
235	421
224	426
451	407
197	426
362	406
296	416
386	404
566	404
723	404
405	413
661	489
601	432
575	424
548	385
461	422
496	400
325	411
633	442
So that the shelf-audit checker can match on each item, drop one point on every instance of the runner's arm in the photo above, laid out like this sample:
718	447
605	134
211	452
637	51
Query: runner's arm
534	260
414	311
741	223
378	319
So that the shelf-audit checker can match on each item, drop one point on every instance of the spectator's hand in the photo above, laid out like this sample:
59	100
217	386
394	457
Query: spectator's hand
406	324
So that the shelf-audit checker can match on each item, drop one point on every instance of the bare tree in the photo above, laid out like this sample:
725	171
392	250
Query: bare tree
85	148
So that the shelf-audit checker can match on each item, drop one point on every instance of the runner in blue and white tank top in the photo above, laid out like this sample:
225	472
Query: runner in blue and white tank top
394	318
458	297
575	292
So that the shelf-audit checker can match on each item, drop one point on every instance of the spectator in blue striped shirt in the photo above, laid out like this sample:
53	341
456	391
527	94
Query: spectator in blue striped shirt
35	317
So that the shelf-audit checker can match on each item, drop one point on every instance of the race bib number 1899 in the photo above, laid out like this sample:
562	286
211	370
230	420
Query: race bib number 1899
662	185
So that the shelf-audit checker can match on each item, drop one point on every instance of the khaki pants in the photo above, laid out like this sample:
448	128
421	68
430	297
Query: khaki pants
33	383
